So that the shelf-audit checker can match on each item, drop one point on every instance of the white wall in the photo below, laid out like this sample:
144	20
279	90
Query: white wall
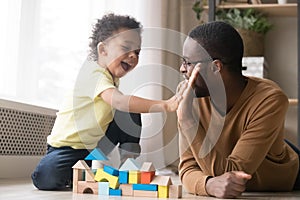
281	55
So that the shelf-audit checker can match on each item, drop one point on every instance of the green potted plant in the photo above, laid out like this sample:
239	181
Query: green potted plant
198	9
252	26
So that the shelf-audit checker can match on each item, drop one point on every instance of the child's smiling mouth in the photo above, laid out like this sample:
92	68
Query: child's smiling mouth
126	67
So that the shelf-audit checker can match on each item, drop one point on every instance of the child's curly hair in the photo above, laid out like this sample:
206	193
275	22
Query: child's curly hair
105	28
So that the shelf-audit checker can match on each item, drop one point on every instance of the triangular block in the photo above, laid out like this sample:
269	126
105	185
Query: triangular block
81	164
130	165
147	167
96	154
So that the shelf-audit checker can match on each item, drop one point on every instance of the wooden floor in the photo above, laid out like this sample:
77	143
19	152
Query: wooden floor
24	190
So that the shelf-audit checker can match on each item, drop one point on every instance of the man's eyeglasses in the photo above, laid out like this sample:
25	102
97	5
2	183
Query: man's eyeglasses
188	64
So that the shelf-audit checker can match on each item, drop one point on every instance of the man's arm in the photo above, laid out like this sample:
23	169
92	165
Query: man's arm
190	173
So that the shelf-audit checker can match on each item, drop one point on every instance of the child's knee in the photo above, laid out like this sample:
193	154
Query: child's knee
48	180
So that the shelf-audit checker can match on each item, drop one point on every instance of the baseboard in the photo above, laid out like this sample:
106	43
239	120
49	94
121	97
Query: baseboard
18	166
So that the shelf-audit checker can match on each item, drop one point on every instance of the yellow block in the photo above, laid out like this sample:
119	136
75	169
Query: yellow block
102	176
134	177
163	191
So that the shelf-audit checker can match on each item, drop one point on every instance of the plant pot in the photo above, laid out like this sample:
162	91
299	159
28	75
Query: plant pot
253	42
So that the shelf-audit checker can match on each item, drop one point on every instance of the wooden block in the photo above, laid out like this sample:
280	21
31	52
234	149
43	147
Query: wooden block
134	177
103	188
163	191
115	192
81	164
146	187
102	176
77	176
146	177
123	177
175	191
89	176
141	193
97	164
126	189
87	187
162	180
147	167
110	170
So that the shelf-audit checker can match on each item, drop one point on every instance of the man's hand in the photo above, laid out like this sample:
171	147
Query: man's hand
172	104
228	185
184	111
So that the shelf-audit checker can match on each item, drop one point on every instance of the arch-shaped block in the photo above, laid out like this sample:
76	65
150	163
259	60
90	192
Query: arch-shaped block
87	187
102	176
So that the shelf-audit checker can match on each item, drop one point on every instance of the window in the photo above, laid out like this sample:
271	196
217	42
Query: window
42	46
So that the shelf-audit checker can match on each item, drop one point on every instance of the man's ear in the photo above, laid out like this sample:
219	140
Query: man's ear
217	66
101	49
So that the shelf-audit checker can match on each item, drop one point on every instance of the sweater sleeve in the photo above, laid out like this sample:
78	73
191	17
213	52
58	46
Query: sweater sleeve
191	175
259	136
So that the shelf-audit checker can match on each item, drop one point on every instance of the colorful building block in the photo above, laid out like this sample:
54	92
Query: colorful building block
163	191
96	154
163	183
147	172
110	181
123	177
134	177
110	170
102	176
146	177
146	187
103	188
115	192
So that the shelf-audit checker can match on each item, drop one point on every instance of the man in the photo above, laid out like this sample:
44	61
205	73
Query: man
232	133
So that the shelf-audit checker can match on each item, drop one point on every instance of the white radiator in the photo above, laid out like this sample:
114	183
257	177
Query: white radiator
23	132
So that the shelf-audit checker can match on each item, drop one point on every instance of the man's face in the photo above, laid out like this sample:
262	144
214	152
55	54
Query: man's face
192	54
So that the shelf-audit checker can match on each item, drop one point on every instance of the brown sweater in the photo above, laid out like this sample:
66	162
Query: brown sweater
249	138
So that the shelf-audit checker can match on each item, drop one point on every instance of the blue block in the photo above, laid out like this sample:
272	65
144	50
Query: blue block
146	187
115	192
110	170
96	154
123	177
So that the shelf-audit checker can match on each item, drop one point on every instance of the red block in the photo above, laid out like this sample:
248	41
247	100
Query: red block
146	177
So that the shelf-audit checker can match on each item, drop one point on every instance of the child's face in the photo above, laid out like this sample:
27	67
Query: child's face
122	52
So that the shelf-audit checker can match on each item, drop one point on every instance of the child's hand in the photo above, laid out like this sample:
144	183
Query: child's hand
173	103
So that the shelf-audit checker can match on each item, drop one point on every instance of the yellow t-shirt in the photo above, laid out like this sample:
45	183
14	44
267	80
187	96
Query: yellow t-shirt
84	116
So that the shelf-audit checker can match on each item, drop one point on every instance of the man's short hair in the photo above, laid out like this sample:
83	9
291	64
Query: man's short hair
221	41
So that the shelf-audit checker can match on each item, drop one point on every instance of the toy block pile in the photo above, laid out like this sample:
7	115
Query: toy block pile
129	180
